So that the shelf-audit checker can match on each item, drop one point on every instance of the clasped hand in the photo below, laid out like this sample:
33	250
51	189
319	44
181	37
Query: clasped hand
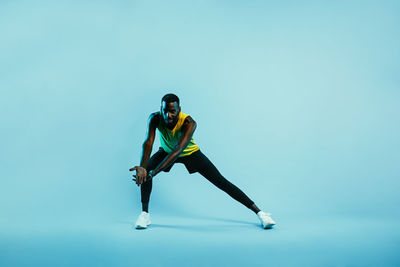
141	175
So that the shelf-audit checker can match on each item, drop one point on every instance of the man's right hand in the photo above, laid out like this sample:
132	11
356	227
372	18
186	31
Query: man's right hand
140	176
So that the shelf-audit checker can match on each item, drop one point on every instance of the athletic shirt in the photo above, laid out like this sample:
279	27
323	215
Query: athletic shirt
169	138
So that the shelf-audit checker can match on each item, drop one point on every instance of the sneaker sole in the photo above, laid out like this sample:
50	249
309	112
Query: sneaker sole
141	226
269	226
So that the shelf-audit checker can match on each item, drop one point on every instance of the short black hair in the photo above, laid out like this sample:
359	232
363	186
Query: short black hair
170	98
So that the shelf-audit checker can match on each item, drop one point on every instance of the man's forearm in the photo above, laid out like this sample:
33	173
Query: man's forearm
167	161
146	151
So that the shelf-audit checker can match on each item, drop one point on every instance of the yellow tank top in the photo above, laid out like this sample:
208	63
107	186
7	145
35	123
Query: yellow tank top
169	138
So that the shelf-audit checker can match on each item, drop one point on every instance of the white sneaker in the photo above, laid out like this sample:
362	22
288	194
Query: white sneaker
143	220
265	219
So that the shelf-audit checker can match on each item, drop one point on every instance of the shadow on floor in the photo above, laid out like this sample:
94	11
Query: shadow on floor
202	223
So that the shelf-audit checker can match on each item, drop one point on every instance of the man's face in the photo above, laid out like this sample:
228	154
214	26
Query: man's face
170	112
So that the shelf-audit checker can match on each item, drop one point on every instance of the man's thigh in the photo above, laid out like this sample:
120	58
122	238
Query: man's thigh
198	162
156	159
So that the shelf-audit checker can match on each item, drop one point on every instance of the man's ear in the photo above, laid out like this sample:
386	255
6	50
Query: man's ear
179	109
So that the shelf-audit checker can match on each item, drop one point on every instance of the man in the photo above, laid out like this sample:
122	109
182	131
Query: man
177	145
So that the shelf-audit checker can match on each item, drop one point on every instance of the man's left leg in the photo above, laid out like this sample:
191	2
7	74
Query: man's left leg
207	169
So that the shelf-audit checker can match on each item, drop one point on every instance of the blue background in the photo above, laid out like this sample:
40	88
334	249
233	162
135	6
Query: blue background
297	103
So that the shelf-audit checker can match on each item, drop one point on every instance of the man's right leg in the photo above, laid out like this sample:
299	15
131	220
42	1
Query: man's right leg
146	187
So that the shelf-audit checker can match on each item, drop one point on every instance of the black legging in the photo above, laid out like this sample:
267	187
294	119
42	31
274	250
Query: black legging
196	162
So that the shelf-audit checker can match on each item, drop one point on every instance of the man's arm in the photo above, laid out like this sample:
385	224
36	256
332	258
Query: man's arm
188	128
149	140
146	148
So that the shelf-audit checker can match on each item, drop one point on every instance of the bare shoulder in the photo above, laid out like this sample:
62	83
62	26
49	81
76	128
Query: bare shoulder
154	118
155	114
189	121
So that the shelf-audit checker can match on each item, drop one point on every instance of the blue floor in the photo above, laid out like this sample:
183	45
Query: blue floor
206	241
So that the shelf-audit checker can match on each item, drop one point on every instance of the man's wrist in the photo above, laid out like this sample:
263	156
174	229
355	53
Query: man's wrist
152	173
